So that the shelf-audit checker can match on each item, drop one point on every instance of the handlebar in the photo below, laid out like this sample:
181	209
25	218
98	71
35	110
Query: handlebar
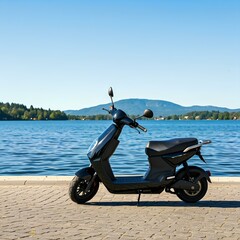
137	125
121	117
142	128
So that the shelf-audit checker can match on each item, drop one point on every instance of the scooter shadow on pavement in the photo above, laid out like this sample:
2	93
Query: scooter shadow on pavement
205	204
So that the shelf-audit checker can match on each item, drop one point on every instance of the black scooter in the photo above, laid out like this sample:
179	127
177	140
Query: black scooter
189	183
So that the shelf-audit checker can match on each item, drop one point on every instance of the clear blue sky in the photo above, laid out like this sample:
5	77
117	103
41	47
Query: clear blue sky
65	54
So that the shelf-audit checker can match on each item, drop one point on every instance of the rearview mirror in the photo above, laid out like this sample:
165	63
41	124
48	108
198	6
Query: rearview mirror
110	92
148	113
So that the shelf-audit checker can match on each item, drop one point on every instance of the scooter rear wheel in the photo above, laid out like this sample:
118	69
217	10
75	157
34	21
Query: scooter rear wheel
77	190
192	196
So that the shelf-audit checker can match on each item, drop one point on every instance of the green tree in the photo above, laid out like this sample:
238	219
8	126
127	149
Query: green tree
52	116
26	115
175	117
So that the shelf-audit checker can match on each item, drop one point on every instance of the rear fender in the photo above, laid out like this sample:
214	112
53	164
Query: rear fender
202	173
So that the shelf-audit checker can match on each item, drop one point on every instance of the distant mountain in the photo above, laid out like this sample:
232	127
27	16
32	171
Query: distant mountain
136	106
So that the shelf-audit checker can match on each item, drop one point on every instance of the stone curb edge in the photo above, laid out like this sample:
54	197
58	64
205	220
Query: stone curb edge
35	180
59	180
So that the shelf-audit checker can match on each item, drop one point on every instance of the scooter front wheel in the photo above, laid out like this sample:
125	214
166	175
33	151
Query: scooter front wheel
77	190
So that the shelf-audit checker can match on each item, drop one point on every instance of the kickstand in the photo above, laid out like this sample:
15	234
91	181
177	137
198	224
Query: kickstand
139	196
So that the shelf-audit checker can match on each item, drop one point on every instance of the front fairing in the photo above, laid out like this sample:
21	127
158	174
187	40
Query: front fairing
97	147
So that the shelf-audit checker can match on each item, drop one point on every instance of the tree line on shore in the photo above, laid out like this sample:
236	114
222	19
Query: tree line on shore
197	115
206	115
15	111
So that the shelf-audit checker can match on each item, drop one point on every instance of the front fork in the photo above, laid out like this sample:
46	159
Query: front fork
90	183
87	174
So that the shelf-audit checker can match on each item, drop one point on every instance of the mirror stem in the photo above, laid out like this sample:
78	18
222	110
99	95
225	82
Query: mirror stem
112	102
138	117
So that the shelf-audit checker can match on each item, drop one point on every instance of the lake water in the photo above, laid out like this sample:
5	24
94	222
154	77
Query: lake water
60	147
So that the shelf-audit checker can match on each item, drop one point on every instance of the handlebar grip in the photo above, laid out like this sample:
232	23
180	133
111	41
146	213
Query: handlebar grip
142	128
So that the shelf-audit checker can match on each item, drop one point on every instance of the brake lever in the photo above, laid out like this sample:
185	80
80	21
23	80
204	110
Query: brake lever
138	131
135	129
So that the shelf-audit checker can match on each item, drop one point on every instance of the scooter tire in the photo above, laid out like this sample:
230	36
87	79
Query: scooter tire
77	188
193	196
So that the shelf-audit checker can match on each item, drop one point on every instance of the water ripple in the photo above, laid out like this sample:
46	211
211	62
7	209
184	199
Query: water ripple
60	147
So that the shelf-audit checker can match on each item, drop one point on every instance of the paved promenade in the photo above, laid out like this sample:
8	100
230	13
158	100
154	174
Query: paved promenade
33	209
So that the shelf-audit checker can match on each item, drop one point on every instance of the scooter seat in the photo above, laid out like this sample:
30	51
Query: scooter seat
156	148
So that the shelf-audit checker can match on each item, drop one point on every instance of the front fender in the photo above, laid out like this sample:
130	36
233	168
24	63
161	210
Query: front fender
85	173
202	173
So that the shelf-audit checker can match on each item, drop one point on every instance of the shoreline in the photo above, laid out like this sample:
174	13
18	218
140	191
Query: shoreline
59	180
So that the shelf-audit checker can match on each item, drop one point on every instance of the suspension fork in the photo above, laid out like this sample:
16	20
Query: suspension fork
90	183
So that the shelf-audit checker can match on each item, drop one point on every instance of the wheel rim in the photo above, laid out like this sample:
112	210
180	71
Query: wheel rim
81	188
193	193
